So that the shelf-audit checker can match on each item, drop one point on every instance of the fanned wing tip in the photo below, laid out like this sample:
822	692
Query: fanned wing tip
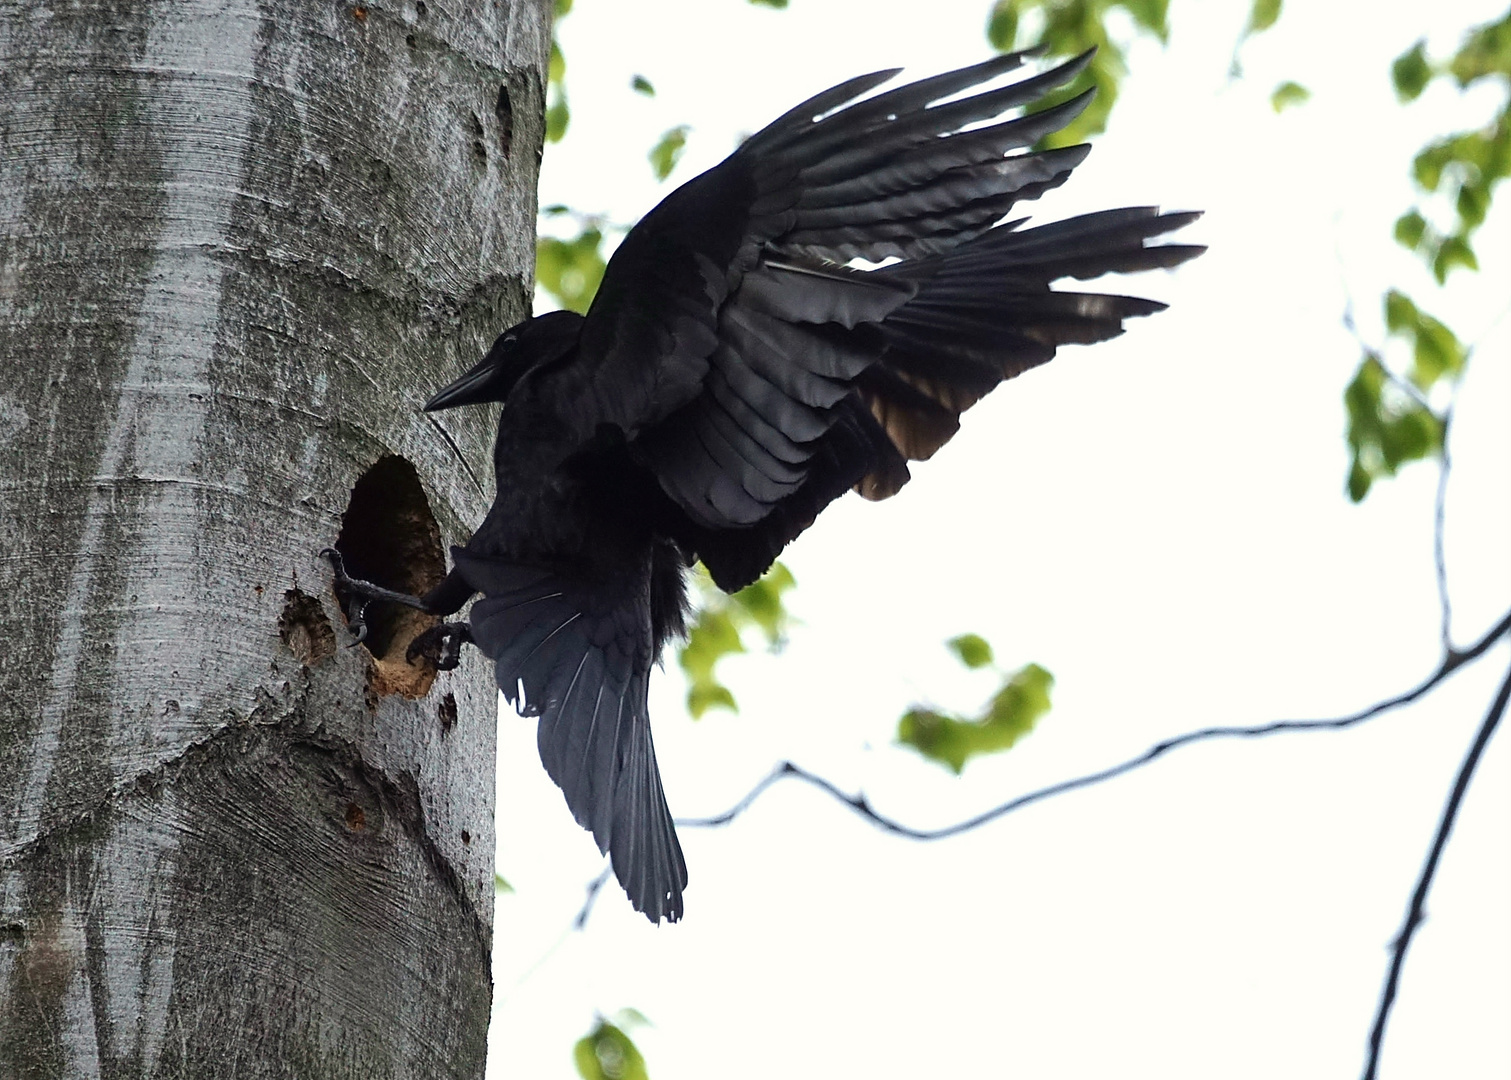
802	115
1179	219
839	103
1168	256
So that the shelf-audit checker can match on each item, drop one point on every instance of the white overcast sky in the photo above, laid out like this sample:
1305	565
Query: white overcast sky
1160	521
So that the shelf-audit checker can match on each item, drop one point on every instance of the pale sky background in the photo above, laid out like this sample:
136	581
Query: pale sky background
1160	521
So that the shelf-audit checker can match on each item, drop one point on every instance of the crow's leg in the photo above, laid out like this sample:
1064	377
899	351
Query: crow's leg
363	593
367	589
441	644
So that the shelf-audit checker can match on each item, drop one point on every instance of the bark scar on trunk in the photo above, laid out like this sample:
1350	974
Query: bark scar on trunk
305	630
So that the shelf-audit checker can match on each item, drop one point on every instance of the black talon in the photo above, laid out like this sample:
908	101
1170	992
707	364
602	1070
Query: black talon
354	603
451	653
441	645
356	622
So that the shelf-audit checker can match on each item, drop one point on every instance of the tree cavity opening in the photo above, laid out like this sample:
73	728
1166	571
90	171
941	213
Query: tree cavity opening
389	537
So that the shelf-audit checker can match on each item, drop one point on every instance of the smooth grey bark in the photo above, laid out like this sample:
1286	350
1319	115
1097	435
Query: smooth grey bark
239	243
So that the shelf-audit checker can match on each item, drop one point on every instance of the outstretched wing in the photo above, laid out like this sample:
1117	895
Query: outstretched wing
656	318
758	376
580	659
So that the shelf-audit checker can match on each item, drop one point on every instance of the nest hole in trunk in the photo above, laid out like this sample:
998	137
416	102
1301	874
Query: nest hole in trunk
389	537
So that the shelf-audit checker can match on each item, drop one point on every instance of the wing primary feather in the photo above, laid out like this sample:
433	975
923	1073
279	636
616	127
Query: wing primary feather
881	175
802	117
858	125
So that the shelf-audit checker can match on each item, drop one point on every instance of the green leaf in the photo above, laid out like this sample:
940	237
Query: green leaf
1400	313
1471	157
557	117
1410	228
973	650
1486	52
1386	427
641	85
762	602
713	636
607	1053
717	630
1437	352
1454	251
707	694
778	4
1002	25
1263	15
571	270
1411	72
1017	707
1287	94
1013	711
1472	204
1152	15
1359	481
665	154
500	886
563	8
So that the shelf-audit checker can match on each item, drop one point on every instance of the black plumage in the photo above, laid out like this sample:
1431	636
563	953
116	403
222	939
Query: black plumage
734	376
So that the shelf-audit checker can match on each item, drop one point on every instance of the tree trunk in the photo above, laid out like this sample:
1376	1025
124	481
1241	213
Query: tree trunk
239	243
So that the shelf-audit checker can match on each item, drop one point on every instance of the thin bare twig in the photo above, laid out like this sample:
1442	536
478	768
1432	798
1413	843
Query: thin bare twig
1454	660
1415	911
587	902
1439	560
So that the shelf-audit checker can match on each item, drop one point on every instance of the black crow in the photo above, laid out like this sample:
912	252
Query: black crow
735	374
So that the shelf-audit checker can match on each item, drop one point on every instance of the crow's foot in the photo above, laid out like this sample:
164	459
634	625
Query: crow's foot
441	645
356	621
358	594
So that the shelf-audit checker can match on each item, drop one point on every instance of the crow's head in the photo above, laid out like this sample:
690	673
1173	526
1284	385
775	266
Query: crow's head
532	343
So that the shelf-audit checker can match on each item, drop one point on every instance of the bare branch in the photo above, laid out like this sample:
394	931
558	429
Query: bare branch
587	901
1415	912
1439	560
1451	663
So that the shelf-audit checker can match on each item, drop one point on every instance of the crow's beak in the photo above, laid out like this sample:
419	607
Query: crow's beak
472	388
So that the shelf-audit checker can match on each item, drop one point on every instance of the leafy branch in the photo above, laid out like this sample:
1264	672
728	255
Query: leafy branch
1391	419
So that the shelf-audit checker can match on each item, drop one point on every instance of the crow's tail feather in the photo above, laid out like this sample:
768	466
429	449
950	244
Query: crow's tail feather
580	664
